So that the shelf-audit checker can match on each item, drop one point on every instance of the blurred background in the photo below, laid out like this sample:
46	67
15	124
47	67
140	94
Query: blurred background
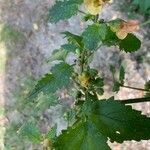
26	41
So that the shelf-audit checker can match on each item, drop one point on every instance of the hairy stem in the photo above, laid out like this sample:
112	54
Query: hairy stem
136	100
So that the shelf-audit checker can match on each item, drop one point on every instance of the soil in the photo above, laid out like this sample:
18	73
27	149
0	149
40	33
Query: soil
26	57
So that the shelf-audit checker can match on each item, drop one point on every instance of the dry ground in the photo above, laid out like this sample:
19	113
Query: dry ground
24	57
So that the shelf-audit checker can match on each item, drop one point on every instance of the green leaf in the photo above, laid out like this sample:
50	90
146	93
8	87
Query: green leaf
45	101
111	39
73	39
92	72
83	136
94	35
116	86
104	119
115	24
147	87
70	116
59	54
62	53
143	5
30	131
100	91
69	47
130	44
122	75
98	82
112	69
119	122
51	135
64	9
89	17
50	83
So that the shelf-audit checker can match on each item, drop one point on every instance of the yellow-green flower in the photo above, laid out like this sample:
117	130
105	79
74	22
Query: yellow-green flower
94	6
84	79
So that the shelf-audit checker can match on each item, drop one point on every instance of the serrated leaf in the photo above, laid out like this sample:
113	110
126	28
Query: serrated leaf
51	135
69	47
115	24
112	69
73	39
100	91
70	117
98	82
122	75
63	10
88	17
147	85
94	35
30	131
50	83
111	39
143	5
62	53
116	86
130	44
59	54
83	136
147	88
105	119
119	122
93	72
45	101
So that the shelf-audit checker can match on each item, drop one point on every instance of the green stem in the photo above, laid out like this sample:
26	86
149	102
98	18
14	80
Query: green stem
134	88
145	23
82	61
95	94
82	12
96	18
136	100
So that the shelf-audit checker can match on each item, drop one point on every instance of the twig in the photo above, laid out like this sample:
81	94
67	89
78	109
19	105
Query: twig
134	88
136	100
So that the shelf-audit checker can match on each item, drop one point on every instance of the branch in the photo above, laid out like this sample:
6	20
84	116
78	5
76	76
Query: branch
82	12
136	100
134	88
